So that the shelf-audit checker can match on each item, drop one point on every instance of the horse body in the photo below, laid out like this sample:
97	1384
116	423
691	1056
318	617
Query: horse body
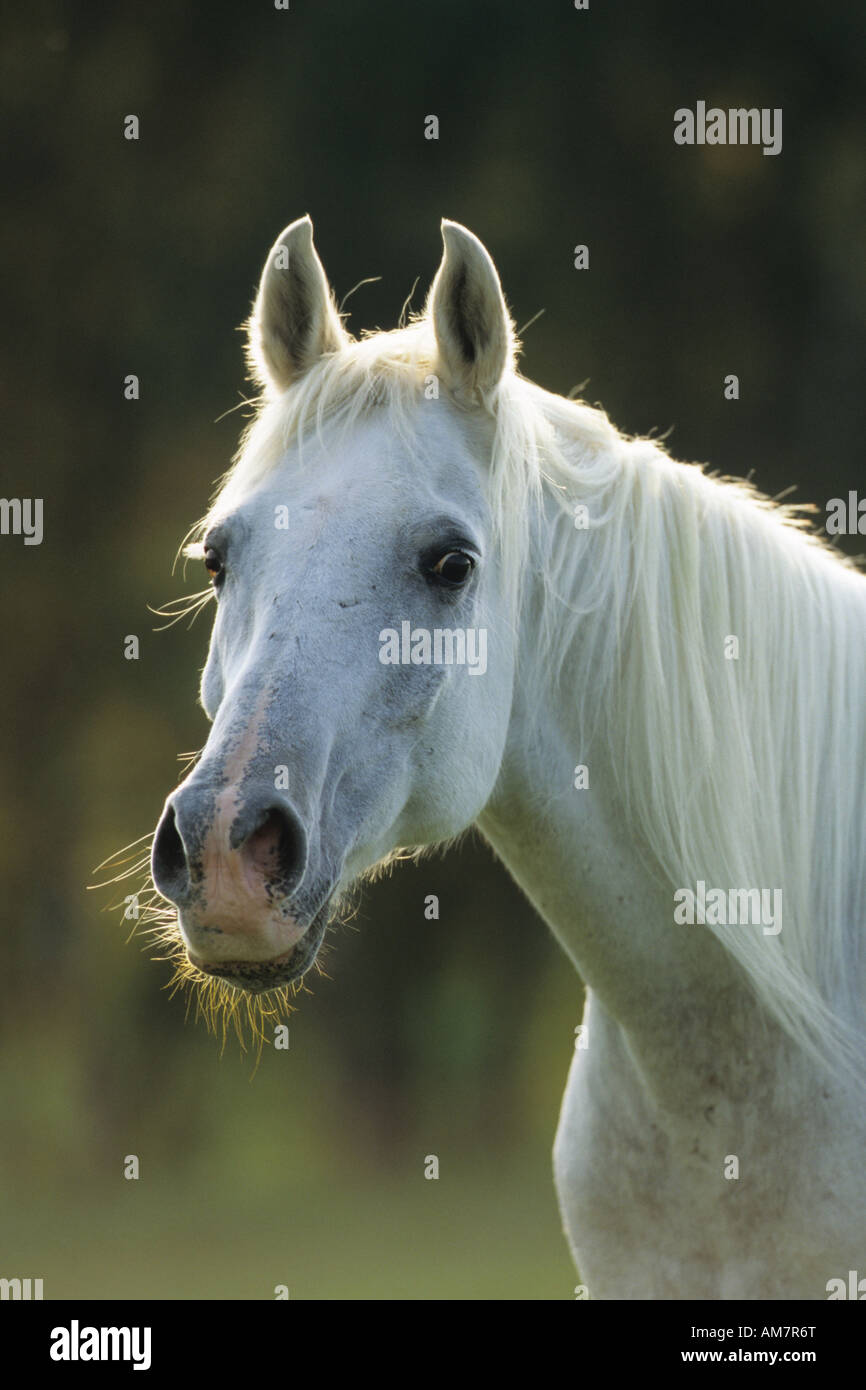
710	1136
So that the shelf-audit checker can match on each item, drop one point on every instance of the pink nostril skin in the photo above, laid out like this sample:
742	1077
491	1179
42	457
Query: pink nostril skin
239	913
262	849
231	862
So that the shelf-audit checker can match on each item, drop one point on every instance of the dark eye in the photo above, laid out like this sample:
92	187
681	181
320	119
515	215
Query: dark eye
453	568
213	563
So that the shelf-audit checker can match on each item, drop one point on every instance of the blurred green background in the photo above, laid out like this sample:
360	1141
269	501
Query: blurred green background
452	1037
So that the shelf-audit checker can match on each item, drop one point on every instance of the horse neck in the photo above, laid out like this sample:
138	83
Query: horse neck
675	992
583	866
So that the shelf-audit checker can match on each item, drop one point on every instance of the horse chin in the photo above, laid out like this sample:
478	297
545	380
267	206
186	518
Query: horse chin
259	976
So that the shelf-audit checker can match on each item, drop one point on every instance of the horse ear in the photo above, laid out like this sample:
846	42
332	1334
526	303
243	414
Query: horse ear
294	319
473	328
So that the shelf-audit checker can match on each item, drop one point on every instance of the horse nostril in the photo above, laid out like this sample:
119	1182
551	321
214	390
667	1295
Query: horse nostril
168	860
277	848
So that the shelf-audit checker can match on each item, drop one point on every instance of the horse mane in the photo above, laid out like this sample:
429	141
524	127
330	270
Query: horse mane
748	772
745	773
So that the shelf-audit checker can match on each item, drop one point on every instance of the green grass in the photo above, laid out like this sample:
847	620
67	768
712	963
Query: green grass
470	1235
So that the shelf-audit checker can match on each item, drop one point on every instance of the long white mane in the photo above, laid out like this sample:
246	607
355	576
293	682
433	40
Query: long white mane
746	773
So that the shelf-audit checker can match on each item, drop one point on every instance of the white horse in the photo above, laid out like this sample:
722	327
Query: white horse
664	742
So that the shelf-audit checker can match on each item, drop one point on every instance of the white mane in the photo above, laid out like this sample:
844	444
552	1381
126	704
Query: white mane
744	773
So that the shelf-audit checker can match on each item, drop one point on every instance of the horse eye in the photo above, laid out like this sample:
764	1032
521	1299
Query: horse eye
454	568
213	563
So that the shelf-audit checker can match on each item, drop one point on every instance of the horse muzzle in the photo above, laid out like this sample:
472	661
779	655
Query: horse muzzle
257	977
232	867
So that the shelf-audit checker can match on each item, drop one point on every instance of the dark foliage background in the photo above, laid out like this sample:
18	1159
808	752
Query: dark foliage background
453	1037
